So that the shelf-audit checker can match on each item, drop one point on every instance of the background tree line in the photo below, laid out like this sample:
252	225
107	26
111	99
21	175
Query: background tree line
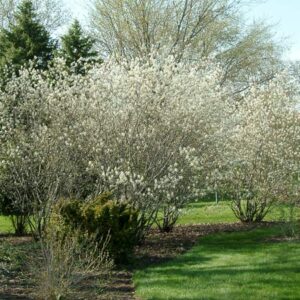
188	29
25	38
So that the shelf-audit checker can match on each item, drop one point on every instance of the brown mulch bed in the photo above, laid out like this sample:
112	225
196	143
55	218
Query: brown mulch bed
157	248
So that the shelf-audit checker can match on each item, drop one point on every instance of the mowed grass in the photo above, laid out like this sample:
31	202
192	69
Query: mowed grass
5	225
240	265
209	212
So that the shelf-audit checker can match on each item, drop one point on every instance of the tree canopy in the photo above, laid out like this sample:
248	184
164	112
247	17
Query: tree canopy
190	30
27	39
51	13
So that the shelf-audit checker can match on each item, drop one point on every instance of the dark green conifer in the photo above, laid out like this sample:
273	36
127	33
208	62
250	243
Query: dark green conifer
26	39
78	49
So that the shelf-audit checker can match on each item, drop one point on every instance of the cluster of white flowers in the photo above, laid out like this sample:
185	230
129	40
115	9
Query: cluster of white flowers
151	132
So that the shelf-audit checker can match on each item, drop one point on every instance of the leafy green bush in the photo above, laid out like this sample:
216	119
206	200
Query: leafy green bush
103	216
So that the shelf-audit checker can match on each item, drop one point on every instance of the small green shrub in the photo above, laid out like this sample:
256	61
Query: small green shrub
103	216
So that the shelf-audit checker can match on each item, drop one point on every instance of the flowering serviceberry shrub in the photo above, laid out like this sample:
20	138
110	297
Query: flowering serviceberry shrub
143	130
263	149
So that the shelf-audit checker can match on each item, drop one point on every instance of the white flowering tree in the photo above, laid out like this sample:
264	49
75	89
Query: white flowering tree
145	129
263	149
142	130
29	168
155	132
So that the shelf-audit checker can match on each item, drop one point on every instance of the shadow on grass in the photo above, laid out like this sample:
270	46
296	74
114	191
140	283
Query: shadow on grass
262	270
207	233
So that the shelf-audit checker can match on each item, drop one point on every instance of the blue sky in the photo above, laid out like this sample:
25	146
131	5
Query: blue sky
284	14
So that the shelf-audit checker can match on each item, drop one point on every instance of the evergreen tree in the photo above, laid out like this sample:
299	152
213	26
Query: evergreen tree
77	49
26	39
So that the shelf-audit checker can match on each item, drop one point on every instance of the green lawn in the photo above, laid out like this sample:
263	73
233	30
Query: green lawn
207	212
5	225
211	213
240	265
